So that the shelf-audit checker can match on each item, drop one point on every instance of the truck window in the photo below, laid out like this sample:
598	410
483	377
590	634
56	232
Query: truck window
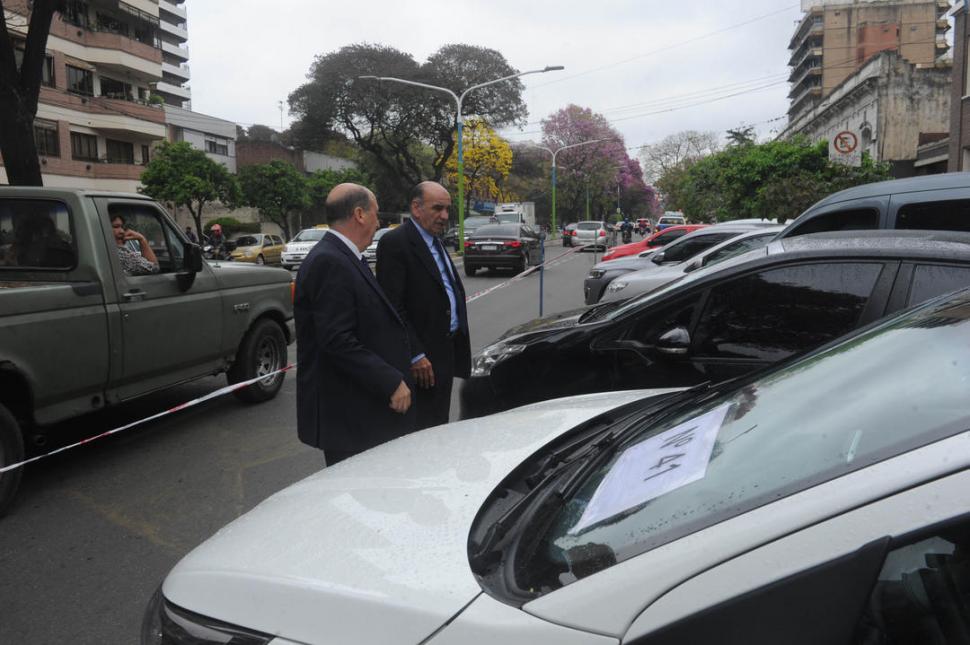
163	240
951	215
859	219
36	234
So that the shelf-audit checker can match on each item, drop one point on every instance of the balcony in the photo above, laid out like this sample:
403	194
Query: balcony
805	52
180	71
173	9
807	97
174	90
181	52
812	23
805	73
174	30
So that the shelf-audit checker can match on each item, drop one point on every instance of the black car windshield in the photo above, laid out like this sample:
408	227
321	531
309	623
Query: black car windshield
498	230
508	218
310	235
475	222
888	390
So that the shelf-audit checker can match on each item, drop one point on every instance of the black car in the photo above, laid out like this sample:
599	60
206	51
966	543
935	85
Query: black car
502	246
720	322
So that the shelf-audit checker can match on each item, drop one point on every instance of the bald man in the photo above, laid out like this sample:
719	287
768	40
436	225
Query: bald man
420	279
354	377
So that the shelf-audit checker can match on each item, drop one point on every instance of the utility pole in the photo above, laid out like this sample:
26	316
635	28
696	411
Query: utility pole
281	116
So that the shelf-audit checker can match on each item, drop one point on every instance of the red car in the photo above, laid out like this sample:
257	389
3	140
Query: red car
655	241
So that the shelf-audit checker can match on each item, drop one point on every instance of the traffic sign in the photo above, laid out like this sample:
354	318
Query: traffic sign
844	148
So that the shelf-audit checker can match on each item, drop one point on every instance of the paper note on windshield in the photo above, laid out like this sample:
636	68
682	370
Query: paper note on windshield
656	466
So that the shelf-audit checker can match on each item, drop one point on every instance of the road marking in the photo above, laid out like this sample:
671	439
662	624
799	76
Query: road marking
547	264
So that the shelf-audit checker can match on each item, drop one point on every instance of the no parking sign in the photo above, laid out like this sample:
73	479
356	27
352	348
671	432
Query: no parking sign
844	148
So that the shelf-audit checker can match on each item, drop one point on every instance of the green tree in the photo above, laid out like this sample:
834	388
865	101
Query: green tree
183	175
277	190
405	132
777	179
20	83
320	183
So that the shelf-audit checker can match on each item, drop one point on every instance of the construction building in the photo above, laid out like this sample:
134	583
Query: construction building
836	38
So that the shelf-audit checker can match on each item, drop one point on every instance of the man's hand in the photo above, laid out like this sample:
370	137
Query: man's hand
401	399
423	373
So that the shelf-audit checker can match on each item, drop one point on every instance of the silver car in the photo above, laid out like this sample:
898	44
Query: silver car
590	234
647	280
370	253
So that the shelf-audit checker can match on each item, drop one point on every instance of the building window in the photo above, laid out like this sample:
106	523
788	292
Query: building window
84	147
76	13
80	81
120	152
45	138
217	147
112	25
116	89
47	77
145	156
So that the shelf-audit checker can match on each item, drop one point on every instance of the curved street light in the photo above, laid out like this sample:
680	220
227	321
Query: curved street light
554	153
459	99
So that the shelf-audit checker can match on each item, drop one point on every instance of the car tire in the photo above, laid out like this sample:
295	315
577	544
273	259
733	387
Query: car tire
262	351
11	452
470	270
260	259
520	265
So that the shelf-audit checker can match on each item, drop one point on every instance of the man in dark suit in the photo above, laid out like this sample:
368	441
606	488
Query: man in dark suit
353	382
420	279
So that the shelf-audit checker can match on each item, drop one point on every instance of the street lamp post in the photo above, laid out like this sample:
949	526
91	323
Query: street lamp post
459	99
554	154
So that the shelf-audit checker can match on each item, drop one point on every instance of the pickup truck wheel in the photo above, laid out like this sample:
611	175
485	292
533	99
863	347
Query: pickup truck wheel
11	452
262	352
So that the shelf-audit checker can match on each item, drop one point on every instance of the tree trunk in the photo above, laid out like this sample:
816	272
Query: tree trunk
19	91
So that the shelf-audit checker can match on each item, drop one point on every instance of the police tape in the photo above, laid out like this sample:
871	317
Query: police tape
523	275
178	408
238	386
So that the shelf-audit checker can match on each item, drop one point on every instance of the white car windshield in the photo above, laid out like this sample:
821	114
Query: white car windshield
887	391
589	226
310	235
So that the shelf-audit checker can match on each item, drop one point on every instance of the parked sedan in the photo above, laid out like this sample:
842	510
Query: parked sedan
502	246
258	248
296	249
370	253
680	250
664	271
824	501
654	241
722	321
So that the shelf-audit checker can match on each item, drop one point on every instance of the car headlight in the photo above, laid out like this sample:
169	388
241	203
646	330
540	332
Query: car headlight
166	624
596	274
616	285
492	355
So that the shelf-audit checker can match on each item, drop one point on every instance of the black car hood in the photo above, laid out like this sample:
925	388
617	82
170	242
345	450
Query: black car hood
540	327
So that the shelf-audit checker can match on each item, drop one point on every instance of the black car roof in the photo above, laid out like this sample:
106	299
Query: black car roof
896	186
888	243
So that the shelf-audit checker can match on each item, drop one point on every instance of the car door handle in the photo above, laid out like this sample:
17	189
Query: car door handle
135	295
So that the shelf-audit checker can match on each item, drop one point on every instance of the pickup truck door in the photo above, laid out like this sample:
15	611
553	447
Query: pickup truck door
170	333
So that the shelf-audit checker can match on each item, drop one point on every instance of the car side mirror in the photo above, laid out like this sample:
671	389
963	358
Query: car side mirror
191	264
658	257
673	342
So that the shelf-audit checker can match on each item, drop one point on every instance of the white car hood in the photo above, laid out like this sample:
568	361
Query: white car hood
374	549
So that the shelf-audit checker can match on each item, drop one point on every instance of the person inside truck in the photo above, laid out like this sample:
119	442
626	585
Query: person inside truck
132	262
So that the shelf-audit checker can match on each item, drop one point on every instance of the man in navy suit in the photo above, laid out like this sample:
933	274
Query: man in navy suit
354	376
420	279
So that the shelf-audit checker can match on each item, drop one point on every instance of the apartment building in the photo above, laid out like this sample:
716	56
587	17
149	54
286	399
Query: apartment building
173	35
836	38
96	121
216	137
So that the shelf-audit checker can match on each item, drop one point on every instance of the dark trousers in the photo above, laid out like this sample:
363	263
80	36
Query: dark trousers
433	405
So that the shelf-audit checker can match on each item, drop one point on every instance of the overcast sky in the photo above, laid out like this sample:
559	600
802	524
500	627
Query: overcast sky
652	67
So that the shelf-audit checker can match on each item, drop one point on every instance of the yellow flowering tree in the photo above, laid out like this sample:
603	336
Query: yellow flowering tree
487	158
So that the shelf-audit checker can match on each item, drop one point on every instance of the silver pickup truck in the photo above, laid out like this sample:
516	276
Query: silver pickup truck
86	321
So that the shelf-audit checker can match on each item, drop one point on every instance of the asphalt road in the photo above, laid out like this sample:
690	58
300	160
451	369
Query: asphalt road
96	529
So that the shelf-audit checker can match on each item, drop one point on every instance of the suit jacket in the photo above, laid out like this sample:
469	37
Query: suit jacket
411	279
353	352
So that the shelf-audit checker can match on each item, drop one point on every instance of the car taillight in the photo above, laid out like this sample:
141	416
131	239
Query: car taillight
602	233
468	244
513	243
